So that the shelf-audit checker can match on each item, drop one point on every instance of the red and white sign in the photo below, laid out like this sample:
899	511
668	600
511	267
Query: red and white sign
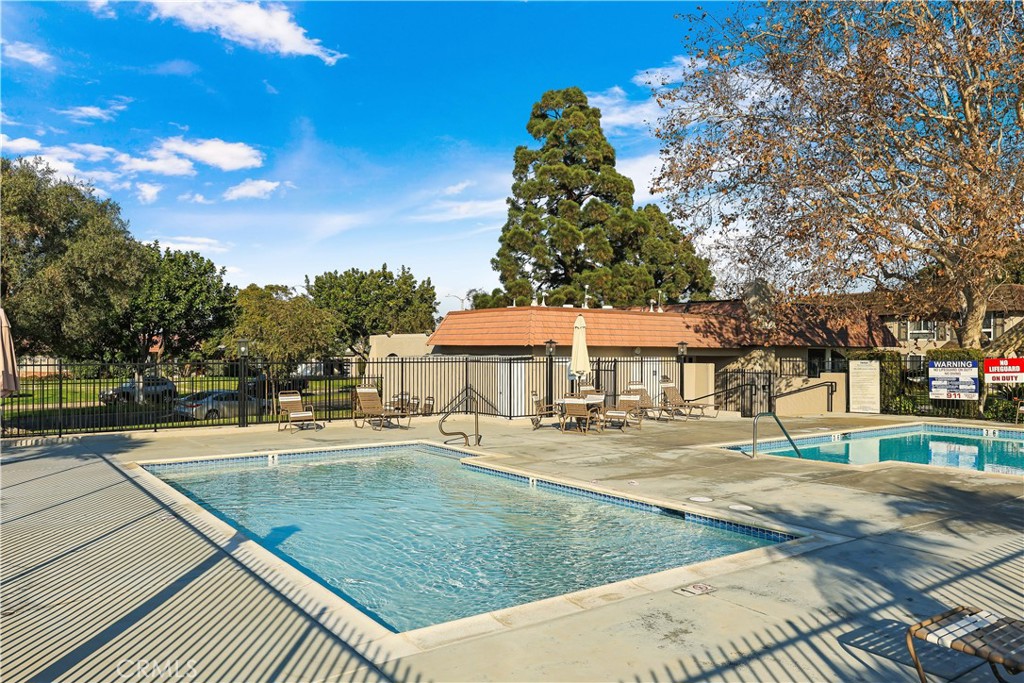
1004	370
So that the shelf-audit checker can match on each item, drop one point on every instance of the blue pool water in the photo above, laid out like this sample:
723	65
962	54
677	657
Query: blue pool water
413	538
1002	451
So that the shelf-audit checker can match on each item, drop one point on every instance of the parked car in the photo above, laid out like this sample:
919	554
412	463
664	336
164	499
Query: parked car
212	405
154	388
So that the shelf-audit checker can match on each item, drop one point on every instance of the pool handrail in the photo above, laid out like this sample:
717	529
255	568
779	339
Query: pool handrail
753	445
468	396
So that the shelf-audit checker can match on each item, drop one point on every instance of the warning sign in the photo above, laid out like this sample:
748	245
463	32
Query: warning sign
953	379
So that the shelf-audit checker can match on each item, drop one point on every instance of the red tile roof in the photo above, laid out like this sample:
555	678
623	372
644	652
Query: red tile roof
704	325
534	325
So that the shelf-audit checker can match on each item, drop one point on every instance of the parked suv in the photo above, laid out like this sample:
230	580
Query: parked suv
154	389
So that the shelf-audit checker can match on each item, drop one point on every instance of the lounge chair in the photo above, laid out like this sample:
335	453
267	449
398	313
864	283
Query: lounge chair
584	415
291	413
626	412
368	408
428	407
541	410
996	639
647	406
674	403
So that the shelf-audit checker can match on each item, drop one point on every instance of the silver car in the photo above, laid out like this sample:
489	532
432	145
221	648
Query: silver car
212	405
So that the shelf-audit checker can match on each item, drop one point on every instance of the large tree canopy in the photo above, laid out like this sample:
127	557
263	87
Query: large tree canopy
281	326
183	301
375	302
851	144
69	266
571	222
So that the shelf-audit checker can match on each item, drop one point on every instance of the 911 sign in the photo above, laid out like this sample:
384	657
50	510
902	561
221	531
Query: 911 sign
1004	370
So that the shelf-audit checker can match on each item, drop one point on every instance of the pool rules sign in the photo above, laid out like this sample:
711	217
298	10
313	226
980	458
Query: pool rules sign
953	379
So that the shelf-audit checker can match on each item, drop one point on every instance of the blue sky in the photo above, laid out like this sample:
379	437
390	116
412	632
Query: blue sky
285	140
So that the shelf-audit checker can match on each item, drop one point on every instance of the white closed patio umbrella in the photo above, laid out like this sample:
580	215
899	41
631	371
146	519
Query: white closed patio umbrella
8	364
579	363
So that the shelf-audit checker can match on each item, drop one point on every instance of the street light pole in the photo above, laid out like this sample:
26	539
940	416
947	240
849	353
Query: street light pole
462	300
549	350
243	382
681	349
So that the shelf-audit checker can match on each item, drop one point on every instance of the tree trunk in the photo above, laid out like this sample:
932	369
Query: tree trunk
974	318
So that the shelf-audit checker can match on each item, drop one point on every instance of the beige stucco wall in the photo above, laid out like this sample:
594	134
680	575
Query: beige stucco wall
401	345
813	402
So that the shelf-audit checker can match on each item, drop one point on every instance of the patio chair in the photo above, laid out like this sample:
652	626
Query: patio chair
428	407
541	410
291	413
674	403
647	406
626	412
996	639
583	415
368	408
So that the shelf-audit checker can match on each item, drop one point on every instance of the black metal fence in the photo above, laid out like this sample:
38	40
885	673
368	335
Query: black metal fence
905	391
59	397
747	392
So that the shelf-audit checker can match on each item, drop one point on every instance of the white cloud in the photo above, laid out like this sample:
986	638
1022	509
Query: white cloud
269	28
270	89
93	152
194	198
159	162
102	9
147	192
641	170
443	210
227	156
619	114
28	54
204	245
658	77
88	114
174	67
456	188
251	189
18	145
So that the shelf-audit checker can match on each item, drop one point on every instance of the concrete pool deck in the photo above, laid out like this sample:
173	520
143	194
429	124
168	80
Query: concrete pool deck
102	579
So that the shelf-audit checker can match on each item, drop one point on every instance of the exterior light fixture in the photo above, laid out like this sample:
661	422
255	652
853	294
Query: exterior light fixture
681	349
549	347
243	348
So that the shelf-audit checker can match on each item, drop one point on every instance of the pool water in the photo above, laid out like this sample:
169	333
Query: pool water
926	445
413	538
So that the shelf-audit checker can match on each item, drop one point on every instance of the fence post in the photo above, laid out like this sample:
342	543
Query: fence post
243	402
60	398
550	379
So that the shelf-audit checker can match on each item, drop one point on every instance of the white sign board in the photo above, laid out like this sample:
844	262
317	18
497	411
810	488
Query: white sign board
865	390
953	379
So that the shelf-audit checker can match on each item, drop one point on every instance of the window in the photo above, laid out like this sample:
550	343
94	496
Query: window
993	326
922	329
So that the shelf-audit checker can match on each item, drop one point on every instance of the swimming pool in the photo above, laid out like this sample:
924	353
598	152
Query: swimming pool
414	538
994	450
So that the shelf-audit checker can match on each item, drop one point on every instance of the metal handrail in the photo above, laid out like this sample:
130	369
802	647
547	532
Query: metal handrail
726	391
470	397
832	388
753	446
